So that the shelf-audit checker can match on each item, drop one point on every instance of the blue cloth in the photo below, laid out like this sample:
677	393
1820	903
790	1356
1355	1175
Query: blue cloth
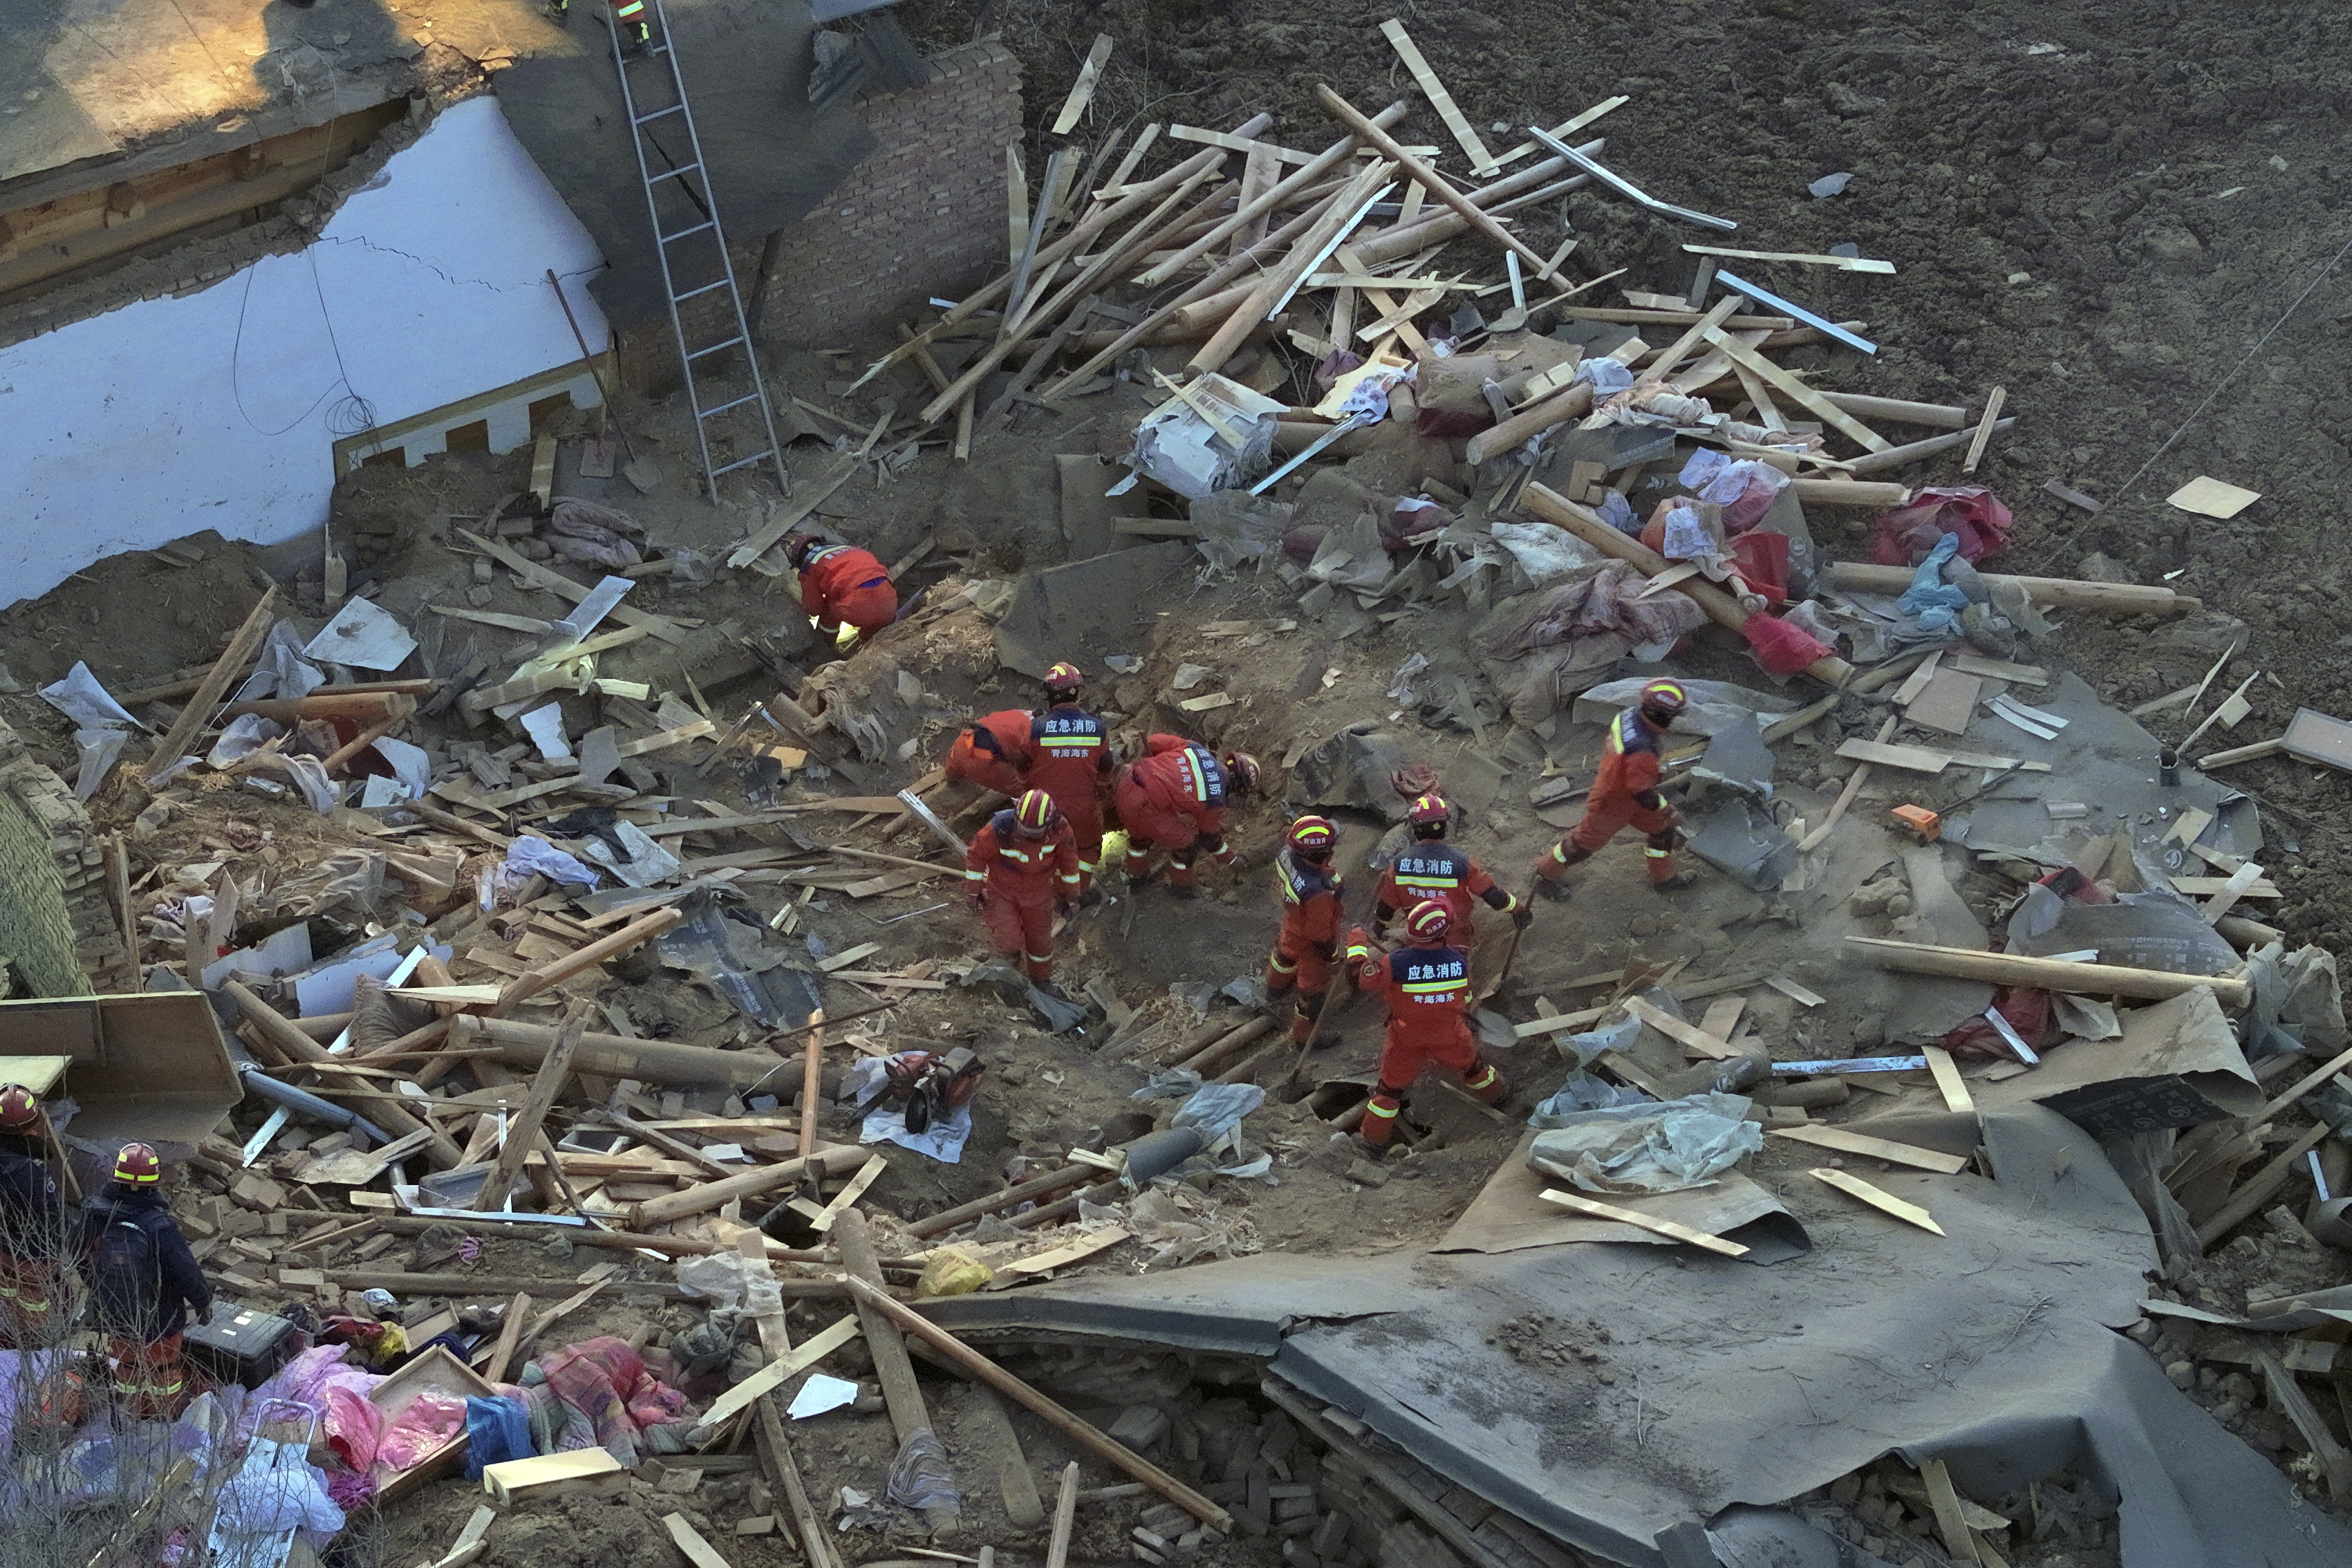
497	1429
1935	603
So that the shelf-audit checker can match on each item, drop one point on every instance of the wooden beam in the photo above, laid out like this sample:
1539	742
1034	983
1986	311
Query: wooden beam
1781	380
231	665
1482	162
1082	91
522	1132
1848	1142
1985	428
2046	973
1806	258
1886	1203
1429	180
2056	593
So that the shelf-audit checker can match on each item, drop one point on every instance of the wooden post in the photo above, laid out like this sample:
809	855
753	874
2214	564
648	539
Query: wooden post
2057	593
228	667
1035	1187
832	1160
522	1132
1429	179
971	1362
910	1416
1287	273
1065	1514
510	1338
294	1046
532	982
1265	202
2046	973
785	1474
812	1071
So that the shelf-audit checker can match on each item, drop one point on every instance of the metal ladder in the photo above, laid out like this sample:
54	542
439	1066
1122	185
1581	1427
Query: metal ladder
691	216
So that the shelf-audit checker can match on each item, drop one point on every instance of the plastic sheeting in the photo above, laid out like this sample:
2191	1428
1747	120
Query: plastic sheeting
1648	1148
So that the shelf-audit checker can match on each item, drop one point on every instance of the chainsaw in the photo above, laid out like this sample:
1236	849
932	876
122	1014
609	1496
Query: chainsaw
930	1085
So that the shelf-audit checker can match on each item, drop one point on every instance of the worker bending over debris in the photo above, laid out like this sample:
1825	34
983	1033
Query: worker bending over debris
36	1236
1308	943
1426	984
992	751
143	1280
1020	870
1173	798
1625	794
1069	759
842	586
1430	868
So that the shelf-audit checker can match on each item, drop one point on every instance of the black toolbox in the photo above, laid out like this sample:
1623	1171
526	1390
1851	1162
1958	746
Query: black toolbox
243	1345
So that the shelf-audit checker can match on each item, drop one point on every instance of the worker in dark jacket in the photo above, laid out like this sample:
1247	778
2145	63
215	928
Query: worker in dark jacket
143	1283
37	1233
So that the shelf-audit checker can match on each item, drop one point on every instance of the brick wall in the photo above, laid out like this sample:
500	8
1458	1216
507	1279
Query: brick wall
923	214
56	926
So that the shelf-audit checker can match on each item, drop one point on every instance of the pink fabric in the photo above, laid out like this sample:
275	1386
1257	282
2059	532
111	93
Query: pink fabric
607	1382
354	1426
1904	536
429	1420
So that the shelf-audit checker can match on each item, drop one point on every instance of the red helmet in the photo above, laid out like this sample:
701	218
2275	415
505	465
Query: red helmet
797	548
1035	813
1428	923
1665	699
137	1166
1064	678
1312	838
1430	809
20	1112
1240	771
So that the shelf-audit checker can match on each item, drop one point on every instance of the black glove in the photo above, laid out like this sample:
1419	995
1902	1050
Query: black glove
1523	917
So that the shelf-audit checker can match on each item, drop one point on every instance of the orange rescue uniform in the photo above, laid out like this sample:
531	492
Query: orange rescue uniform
1018	883
1427	990
1308	943
1625	795
1172	798
845	585
992	751
1433	868
1069	759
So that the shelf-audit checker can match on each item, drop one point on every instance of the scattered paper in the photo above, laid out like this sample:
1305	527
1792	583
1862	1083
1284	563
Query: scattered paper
363	636
2212	497
821	1393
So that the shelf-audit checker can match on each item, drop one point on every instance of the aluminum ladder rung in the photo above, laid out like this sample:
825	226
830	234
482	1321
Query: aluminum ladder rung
697	293
714	347
657	114
737	402
674	174
687	233
744	462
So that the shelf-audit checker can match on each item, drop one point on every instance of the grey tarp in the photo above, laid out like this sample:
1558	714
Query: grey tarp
1089	608
1993	1346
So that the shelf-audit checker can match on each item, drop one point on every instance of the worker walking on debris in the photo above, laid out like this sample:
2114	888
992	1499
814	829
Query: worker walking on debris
992	751
1173	797
1069	759
1426	984
842	586
143	1281
36	1234
1430	868
629	16
1021	871
1308	947
1625	794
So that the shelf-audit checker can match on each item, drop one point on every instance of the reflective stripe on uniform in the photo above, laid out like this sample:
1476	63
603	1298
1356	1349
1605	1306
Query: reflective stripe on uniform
1195	781
1281	965
1657	854
976	875
1387	1113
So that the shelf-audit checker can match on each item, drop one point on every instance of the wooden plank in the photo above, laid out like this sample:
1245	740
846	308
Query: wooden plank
776	1373
1951	1523
556	582
1847	1143
2205	886
823	1219
1722	1020
523	1131
1082	91
2226	897
1233	143
1593	1208
1916	681
1948	1081
1069	1253
1915	759
1983	436
1886	1203
1482	162
230	665
689	1541
1687	1036
2000	669
848	956
1801	996
764	537
1782	381
1845	263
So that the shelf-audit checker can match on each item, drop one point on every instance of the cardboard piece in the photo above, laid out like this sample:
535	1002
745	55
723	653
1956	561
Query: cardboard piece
1947	703
2177	1064
2212	497
2318	738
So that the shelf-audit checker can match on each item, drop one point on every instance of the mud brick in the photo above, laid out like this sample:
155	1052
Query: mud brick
1140	1426
1302	1524
1333	1536
1466	1506
1287	1508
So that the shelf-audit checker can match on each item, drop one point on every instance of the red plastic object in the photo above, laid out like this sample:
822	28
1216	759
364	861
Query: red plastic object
1781	648
1763	561
1904	536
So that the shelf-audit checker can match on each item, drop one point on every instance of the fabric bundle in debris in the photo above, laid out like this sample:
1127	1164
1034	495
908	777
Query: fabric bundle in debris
605	1383
593	535
1904	536
1653	1148
1538	644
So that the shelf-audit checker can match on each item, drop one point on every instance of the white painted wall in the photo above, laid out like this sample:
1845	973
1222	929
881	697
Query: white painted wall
130	429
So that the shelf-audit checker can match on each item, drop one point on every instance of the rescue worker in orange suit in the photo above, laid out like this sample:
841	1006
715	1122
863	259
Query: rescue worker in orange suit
1430	868
1426	984
992	751
1308	947
1069	759
1173	797
842	586
1020	872
38	1239
143	1283
629	16
1625	794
